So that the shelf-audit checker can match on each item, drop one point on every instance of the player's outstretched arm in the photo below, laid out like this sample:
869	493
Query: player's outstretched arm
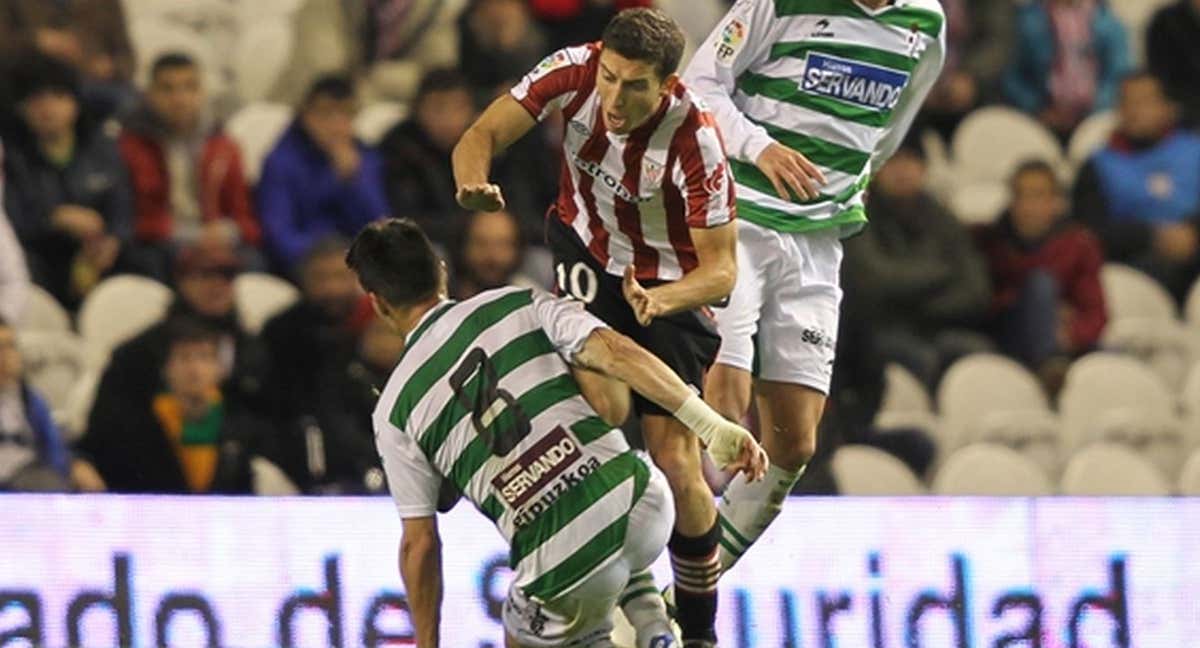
421	569
731	445
709	283
503	123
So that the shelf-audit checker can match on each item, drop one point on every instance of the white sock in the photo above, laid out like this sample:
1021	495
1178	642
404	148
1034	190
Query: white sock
644	608
747	509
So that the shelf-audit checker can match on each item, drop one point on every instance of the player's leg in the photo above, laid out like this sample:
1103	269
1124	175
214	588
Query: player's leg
696	536
650	524
727	388
798	323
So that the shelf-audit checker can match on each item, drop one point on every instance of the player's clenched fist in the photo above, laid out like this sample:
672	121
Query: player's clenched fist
481	197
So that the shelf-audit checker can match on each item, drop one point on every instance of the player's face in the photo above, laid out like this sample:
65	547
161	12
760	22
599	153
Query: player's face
10	358
1037	204
630	91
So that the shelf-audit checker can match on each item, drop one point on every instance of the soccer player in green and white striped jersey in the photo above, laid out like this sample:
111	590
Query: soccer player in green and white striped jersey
485	398
812	96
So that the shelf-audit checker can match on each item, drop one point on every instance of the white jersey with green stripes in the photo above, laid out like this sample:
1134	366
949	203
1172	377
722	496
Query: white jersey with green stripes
833	79
483	398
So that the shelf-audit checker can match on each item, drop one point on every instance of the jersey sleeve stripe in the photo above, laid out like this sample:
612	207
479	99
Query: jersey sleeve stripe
862	53
508	358
440	362
922	20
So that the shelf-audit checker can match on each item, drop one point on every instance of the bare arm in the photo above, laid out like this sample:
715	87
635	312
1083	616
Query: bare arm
613	354
421	569
709	283
504	122
607	395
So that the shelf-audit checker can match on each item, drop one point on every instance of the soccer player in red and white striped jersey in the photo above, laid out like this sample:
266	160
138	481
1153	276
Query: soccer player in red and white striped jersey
642	232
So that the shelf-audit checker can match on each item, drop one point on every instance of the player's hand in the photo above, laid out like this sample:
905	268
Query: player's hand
481	197
734	449
645	306
788	170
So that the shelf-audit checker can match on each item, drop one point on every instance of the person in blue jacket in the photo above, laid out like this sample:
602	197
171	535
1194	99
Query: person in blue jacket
319	180
1068	57
33	455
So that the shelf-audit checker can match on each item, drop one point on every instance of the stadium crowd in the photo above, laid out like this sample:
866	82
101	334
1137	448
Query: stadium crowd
120	157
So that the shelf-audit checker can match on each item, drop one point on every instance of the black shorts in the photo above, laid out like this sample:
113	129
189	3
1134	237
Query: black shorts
687	342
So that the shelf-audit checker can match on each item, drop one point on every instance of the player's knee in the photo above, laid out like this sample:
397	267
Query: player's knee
679	465
794	447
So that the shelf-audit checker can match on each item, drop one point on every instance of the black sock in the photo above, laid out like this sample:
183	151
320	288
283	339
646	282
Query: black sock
697	567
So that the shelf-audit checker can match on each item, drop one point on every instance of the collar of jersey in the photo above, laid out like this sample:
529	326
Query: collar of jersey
427	321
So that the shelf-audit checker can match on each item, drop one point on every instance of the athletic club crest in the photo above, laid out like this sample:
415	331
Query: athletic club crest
652	172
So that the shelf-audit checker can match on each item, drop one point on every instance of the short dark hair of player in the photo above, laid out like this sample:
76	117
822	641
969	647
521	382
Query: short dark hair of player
186	329
337	87
395	260
442	80
1041	167
172	61
647	35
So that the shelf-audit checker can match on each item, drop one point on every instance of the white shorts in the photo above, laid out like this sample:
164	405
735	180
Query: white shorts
582	618
786	300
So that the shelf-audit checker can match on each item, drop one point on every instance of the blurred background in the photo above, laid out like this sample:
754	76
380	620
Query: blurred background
181	180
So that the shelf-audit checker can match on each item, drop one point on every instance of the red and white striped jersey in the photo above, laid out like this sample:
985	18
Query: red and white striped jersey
632	198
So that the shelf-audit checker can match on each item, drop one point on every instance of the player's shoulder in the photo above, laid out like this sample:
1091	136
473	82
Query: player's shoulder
930	10
694	117
584	56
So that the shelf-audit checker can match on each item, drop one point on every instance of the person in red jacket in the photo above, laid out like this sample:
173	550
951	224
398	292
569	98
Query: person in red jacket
1048	302
188	182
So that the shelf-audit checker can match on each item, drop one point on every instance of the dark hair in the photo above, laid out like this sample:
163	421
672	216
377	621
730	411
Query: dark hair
442	80
171	61
338	87
395	260
1037	166
41	73
647	35
185	329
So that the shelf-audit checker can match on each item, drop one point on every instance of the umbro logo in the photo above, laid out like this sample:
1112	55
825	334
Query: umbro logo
822	30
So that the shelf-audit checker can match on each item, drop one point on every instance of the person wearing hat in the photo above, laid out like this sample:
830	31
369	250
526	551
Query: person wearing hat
67	188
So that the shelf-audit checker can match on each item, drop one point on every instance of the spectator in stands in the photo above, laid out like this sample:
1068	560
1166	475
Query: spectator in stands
419	179
67	190
914	273
32	453
1141	193
489	255
397	42
90	35
204	292
979	35
186	437
1067	60
319	180
187	173
570	22
498	43
309	346
14	275
1173	51
1047	302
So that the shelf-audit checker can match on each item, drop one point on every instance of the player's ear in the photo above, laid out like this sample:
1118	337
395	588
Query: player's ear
669	83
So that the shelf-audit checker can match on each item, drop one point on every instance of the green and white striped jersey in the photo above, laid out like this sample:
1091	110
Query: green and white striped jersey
832	79
483	397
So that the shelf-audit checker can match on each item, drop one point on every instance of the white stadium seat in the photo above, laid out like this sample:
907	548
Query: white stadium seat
116	310
1163	345
259	297
906	404
269	479
374	121
1115	398
1112	469
262	54
979	202
990	469
863	470
79	403
1090	136
256	128
1191	307
54	361
154	36
1132	293
1136	15
991	142
43	312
